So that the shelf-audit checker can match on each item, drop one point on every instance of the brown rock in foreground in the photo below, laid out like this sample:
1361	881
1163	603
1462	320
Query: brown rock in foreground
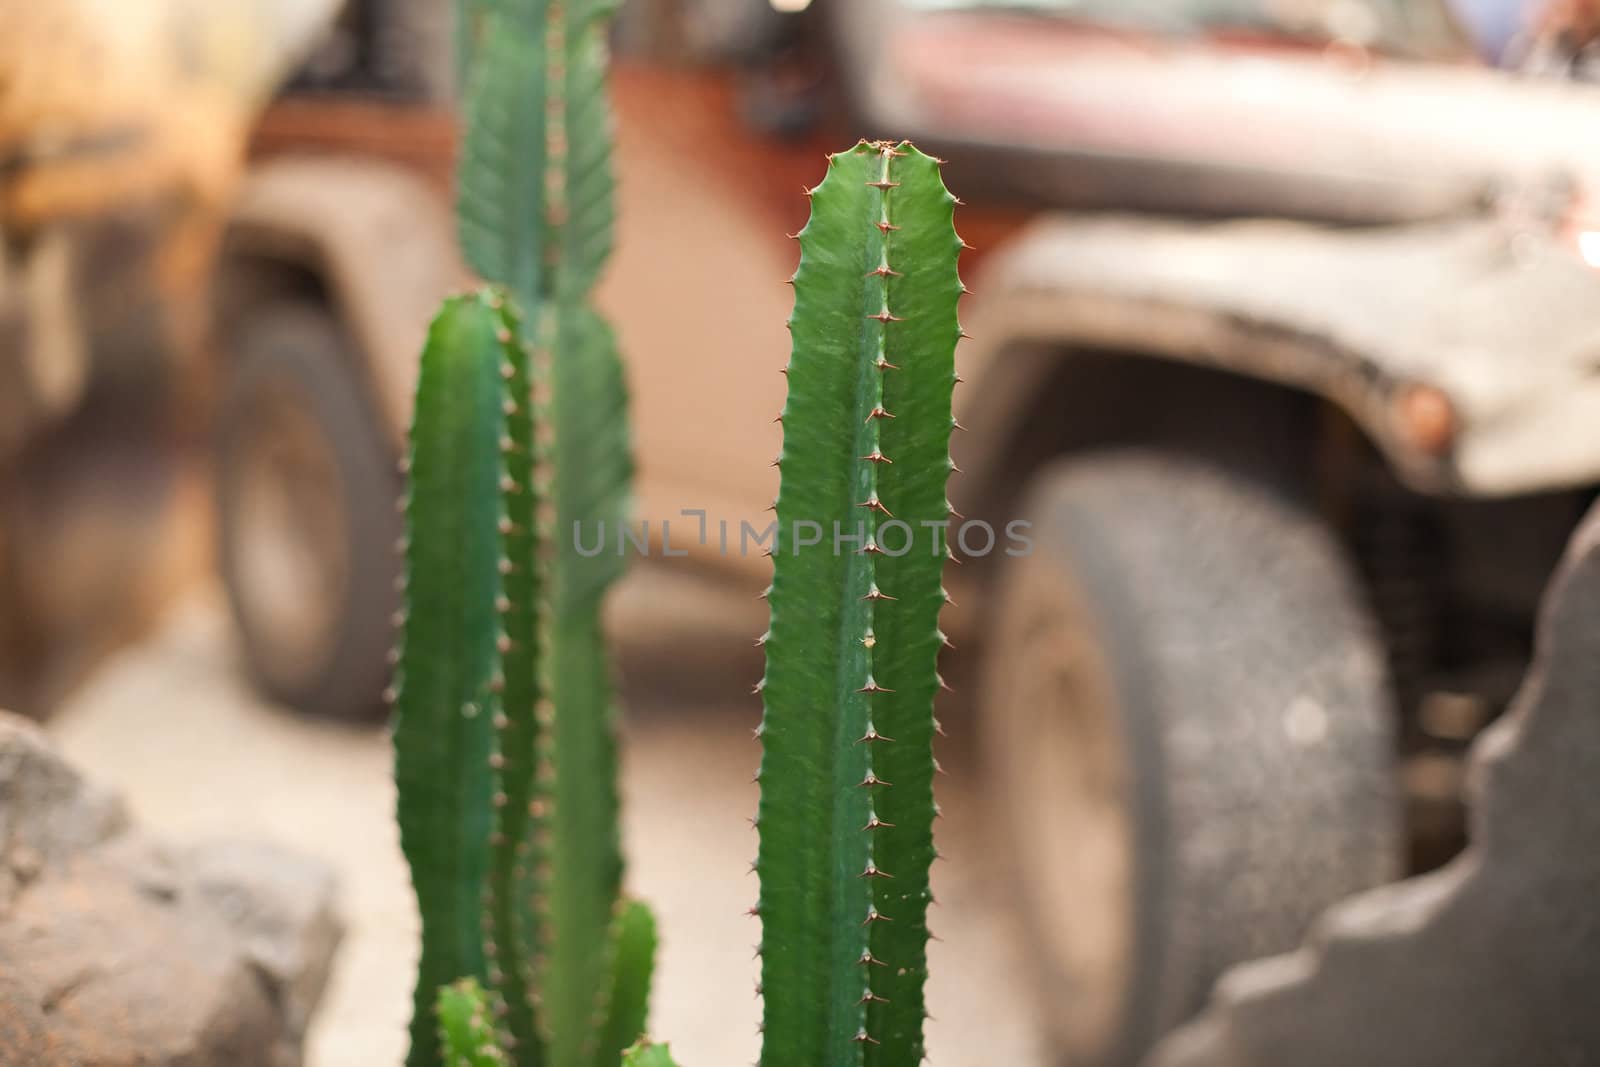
116	951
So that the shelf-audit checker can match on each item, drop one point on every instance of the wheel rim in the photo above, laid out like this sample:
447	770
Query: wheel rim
288	552
1065	781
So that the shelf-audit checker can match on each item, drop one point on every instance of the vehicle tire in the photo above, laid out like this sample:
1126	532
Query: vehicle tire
306	485
1188	731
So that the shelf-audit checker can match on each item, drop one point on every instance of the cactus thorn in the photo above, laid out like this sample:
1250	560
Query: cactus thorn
884	185
875	916
875	594
886	227
876	456
871	871
872	502
883	271
872	734
873	687
883	364
869	996
885	316
878	413
869	960
875	823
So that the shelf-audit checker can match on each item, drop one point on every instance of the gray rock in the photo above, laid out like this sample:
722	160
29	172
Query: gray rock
116	951
1493	961
48	813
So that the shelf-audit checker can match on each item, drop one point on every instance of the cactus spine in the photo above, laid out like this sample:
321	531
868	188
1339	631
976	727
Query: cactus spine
504	730
847	809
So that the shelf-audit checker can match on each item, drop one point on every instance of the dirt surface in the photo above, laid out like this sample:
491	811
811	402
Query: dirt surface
172	723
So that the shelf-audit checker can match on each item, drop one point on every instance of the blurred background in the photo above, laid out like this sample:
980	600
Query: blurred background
1285	344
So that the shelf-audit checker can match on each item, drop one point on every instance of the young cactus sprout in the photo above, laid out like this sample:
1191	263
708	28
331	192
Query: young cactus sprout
846	816
465	1029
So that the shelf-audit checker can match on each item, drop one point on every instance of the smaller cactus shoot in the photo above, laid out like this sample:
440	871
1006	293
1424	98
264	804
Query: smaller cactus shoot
847	808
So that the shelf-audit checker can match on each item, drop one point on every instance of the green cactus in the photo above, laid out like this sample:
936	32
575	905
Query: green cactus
504	728
465	1028
647	1055
847	809
469	505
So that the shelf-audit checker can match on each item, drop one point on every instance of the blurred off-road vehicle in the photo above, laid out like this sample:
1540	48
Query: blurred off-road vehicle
1286	345
122	130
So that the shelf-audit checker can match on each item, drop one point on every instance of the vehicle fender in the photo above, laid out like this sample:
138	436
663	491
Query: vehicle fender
1468	353
381	243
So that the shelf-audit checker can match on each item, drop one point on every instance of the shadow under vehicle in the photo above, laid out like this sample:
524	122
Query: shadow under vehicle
1285	345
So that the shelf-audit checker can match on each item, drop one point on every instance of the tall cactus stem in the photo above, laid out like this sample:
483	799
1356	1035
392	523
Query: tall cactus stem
847	802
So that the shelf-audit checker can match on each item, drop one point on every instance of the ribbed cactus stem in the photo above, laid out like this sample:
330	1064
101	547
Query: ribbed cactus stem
847	795
509	809
464	736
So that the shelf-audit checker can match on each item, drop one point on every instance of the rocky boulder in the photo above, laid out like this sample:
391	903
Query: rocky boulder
119	951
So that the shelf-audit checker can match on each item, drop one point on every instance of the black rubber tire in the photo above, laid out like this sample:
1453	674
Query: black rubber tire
1249	730
297	349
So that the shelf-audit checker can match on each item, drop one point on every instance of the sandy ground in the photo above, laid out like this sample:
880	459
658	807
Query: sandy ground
172	723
